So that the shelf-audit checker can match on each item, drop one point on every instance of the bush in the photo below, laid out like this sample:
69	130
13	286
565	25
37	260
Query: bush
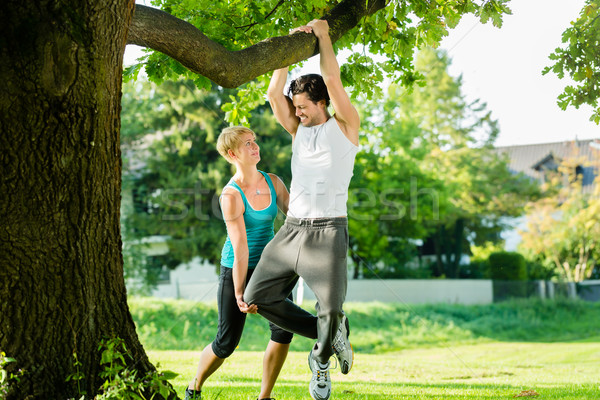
505	268
539	271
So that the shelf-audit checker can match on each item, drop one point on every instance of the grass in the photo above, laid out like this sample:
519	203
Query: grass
449	352
481	371
383	327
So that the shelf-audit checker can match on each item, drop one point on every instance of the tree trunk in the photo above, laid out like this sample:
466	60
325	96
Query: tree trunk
61	269
437	246
457	241
356	261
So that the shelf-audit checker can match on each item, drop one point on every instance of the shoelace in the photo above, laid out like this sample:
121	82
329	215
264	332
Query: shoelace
322	375
336	364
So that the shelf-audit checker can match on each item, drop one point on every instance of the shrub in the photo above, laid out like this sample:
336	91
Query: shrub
508	266
508	270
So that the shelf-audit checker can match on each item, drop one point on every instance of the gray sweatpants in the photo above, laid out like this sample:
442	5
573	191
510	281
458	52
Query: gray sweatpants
316	250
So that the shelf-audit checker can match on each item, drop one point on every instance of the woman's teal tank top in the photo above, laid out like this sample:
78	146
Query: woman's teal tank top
259	227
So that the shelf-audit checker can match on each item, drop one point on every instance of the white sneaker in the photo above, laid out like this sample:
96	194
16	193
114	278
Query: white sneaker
320	384
342	347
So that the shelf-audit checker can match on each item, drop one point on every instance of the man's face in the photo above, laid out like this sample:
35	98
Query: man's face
310	113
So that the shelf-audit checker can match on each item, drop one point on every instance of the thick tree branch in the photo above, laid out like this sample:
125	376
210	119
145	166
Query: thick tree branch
182	41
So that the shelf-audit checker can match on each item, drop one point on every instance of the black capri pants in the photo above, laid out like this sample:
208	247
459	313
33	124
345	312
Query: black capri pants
232	320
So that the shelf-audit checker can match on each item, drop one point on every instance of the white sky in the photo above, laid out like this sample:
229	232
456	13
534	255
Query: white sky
503	67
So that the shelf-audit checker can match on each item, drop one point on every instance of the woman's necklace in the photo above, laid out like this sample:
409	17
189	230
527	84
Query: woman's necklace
257	190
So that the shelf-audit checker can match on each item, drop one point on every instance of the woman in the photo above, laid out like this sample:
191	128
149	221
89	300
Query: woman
249	204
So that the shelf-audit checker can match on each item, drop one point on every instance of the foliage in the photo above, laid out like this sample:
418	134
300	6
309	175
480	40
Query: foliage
537	270
7	377
580	59
479	189
509	273
563	230
381	45
508	266
121	380
78	376
427	170
479	265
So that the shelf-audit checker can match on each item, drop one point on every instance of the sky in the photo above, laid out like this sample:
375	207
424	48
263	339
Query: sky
503	68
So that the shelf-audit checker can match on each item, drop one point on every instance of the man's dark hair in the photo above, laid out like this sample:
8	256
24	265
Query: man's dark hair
311	84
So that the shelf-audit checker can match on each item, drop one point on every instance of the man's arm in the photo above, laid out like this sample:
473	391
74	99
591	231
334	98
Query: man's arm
345	113
282	106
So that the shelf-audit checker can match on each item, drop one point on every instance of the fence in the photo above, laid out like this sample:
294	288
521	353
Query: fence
410	291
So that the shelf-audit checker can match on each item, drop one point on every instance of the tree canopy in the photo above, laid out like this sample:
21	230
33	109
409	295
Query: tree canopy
580	59
237	43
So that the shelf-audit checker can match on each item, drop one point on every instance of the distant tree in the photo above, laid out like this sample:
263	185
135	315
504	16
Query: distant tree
428	171
580	60
479	191
391	194
564	229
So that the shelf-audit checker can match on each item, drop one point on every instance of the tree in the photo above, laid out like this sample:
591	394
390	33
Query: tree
391	195
580	59
427	171
61	277
463	190
61	282
563	229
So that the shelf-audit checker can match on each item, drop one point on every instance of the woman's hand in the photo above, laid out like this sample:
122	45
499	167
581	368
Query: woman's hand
244	307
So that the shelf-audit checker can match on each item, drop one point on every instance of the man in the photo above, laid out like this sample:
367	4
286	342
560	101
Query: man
313	243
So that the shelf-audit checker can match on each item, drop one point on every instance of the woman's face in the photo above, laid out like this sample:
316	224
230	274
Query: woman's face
248	151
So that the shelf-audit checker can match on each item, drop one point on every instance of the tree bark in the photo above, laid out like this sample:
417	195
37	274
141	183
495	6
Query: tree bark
183	42
61	275
459	229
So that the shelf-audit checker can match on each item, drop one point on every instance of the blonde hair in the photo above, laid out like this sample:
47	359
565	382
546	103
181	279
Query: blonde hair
230	138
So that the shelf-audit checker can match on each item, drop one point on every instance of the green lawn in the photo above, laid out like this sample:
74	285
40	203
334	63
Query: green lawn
480	371
492	351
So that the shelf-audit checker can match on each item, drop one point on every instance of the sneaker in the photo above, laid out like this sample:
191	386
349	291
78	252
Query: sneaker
320	384
191	394
342	347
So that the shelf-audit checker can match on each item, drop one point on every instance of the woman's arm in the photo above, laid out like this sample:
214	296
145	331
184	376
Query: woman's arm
283	196
232	206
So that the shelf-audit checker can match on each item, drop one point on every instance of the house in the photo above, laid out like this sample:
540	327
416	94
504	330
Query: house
537	160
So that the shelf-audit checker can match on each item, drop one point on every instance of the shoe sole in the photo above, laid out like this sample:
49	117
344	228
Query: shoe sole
344	366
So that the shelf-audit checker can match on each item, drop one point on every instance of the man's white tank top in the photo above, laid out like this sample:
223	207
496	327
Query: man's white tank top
322	166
